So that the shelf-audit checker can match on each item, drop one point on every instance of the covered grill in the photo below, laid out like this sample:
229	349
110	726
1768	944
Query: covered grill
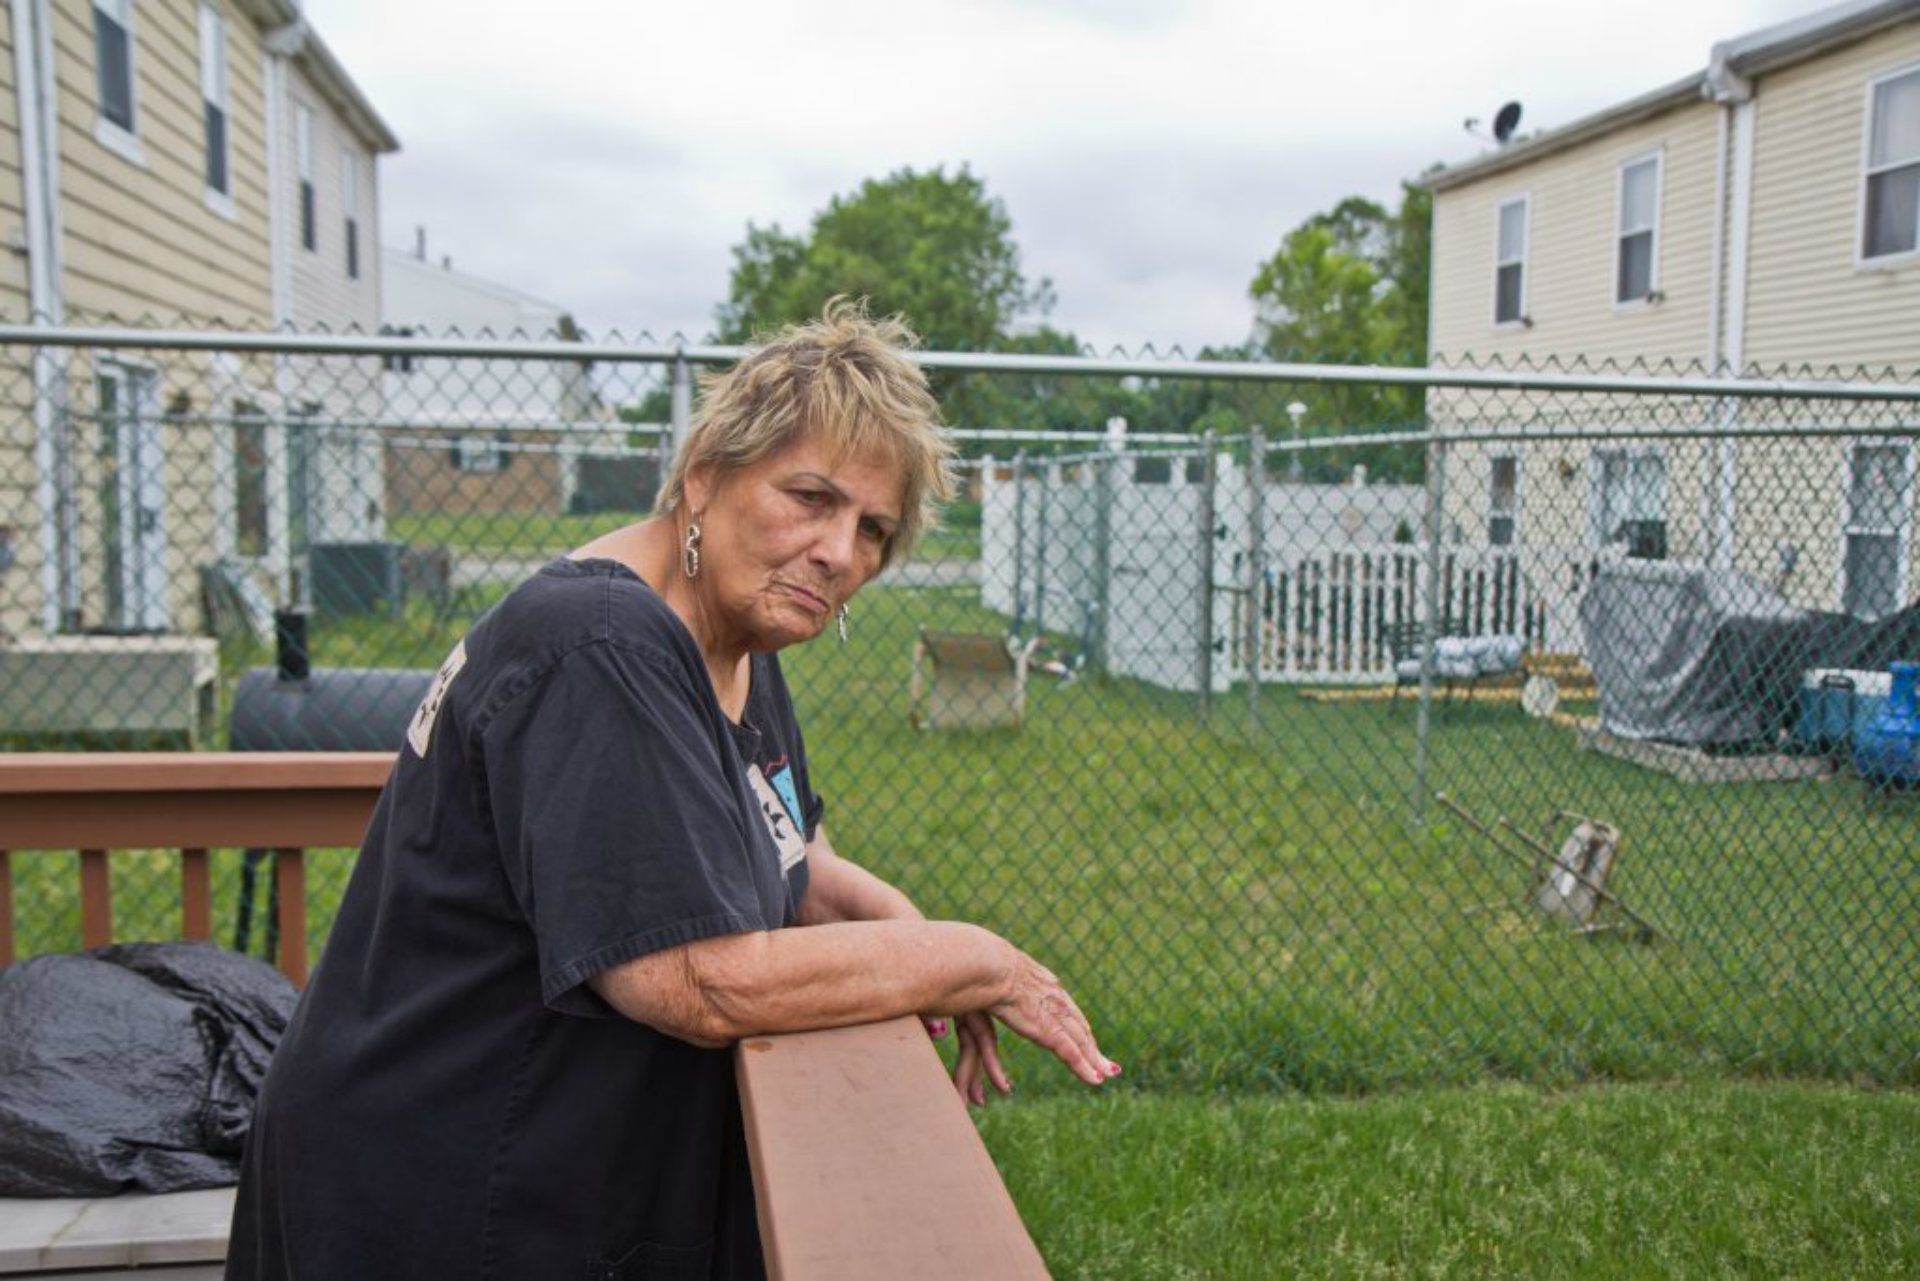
295	707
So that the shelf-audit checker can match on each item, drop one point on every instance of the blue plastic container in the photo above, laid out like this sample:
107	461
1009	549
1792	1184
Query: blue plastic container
1887	748
1835	704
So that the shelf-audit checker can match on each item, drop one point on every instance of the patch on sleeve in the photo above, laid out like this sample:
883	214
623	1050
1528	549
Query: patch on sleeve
420	732
781	823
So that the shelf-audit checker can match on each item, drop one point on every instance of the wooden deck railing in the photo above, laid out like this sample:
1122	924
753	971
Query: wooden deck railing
865	1165
101	802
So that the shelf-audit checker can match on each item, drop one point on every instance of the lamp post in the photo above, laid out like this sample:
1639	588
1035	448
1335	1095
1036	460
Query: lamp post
1296	411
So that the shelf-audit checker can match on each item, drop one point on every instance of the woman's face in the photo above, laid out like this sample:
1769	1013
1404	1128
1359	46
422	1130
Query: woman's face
784	543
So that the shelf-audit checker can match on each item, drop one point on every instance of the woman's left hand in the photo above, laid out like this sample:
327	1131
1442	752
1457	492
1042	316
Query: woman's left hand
979	1060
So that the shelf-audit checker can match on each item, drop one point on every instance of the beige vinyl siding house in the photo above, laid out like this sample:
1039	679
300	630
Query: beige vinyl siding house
151	121
340	160
1811	298
145	240
320	451
142	238
1756	261
1814	299
1572	205
14	297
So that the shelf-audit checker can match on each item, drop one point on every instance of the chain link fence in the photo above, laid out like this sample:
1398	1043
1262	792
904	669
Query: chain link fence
1323	727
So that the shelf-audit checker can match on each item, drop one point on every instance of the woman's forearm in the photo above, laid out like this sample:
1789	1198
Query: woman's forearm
718	990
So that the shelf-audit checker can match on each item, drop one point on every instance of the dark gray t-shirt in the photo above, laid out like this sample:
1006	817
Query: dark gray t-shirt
451	1098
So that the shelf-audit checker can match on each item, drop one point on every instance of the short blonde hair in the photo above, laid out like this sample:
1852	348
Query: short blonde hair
845	379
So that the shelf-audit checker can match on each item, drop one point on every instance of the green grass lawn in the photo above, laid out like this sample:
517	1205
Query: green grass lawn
1701	1180
1248	903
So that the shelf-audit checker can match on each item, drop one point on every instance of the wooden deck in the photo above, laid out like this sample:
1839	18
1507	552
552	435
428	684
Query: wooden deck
865	1163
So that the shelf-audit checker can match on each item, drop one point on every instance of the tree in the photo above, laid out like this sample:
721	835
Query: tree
934	247
1349	286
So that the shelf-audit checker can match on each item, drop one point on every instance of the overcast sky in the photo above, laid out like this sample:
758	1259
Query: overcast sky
1151	153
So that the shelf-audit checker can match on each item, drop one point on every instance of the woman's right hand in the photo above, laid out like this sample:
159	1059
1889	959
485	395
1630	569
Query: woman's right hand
1038	1007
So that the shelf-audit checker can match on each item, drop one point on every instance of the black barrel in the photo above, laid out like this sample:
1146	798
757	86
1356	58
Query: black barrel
335	709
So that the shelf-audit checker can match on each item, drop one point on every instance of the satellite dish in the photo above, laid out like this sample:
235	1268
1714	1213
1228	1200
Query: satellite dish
1506	122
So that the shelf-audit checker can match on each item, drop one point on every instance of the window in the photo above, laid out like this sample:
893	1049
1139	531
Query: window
1630	501
132	497
1510	263
1877	499
474	455
213	96
303	157
1503	492
1893	167
113	56
401	364
250	522
350	202
1635	277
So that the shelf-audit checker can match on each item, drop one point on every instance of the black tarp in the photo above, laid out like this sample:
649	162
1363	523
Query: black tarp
133	1067
1715	658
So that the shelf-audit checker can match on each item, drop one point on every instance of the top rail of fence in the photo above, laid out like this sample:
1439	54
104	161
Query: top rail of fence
1480	379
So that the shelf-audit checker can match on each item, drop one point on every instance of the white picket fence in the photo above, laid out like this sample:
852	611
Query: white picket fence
1114	565
1334	615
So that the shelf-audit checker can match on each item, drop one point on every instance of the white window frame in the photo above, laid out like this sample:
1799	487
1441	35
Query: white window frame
138	382
1630	452
351	251
215	81
303	178
1903	534
478	456
124	143
1512	515
1525	201
1620	233
1883	262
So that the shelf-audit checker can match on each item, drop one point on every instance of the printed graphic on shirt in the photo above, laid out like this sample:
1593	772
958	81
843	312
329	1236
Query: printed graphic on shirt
420	732
780	813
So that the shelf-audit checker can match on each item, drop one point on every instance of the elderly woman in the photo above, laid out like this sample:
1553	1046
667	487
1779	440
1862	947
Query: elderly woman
512	1062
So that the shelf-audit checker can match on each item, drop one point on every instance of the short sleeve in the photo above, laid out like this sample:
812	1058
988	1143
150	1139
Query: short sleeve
618	817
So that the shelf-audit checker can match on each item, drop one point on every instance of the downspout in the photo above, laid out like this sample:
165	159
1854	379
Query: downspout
40	198
279	47
1726	314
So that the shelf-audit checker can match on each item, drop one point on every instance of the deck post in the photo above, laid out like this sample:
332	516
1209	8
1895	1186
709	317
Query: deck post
6	908
196	897
96	899
290	885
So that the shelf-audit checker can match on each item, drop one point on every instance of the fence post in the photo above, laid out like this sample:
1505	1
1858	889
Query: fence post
1203	626
1103	555
1040	551
1256	561
1019	539
1430	611
679	407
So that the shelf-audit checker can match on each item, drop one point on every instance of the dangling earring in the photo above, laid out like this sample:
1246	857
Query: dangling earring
843	624
690	553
